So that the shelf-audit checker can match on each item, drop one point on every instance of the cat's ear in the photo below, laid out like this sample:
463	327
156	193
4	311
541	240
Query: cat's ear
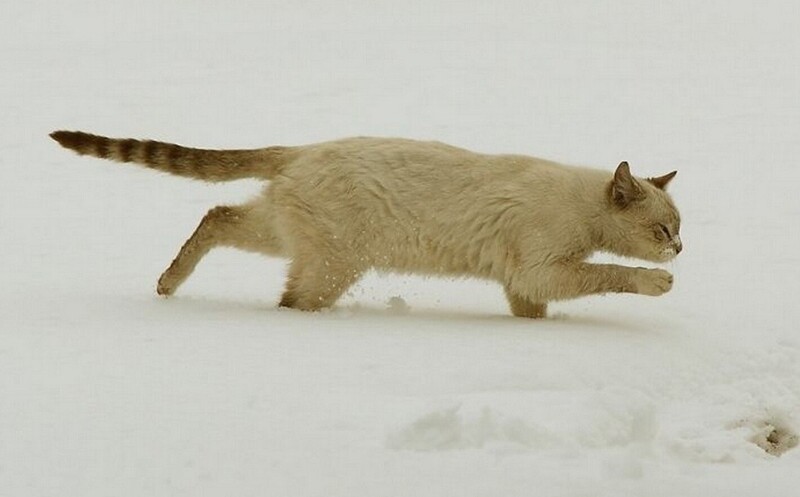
662	181
624	188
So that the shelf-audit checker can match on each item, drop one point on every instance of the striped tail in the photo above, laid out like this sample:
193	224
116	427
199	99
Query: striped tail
207	165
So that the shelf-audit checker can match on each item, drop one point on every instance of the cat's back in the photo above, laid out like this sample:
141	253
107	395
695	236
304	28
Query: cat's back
380	151
423	168
406	159
426	168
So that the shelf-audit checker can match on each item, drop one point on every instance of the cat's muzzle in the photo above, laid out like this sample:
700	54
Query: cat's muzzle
673	249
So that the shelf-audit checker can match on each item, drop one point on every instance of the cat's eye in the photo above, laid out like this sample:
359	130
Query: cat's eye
664	231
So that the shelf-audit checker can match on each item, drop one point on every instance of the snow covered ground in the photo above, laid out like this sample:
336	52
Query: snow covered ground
410	386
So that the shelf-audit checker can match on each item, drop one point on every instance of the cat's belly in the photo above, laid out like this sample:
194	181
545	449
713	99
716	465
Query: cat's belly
421	257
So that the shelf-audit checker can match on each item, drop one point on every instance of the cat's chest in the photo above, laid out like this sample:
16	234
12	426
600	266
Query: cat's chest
562	244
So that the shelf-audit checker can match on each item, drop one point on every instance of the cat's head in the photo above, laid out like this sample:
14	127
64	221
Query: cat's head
646	223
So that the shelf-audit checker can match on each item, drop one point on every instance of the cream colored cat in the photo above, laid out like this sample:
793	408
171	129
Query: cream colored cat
339	208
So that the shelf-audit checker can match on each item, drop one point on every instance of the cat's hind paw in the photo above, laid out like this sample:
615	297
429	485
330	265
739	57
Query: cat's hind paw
165	287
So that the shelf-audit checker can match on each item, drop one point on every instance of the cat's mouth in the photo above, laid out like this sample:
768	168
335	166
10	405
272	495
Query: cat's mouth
668	254
672	250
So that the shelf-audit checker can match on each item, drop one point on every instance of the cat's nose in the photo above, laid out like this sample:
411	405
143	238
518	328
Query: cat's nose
678	244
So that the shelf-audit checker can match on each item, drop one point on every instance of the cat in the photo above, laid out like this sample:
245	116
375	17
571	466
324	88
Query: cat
340	208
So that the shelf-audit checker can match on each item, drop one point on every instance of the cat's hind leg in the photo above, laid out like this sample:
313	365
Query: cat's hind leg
317	281
523	307
246	227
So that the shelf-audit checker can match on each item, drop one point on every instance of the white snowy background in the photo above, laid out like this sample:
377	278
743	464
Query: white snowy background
410	386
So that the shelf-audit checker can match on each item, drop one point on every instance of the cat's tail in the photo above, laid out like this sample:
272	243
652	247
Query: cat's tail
207	165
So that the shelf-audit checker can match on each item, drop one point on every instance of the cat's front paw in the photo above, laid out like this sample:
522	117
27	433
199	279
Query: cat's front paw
652	282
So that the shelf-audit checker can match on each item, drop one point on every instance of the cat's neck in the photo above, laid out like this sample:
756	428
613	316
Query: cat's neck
604	231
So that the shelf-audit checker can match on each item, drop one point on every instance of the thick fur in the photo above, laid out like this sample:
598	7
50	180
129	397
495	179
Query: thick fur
338	209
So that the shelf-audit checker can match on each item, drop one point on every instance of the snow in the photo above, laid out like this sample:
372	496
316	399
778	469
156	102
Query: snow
410	386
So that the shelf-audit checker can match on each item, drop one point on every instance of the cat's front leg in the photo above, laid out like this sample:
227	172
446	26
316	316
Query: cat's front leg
522	307
568	281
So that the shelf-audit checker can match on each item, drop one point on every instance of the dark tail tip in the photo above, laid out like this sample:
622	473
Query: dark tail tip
73	140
